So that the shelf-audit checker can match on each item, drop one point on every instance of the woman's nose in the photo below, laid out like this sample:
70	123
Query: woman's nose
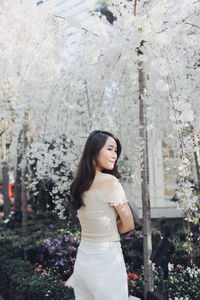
114	155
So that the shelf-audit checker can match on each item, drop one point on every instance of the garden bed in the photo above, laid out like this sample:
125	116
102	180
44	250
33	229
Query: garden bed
35	267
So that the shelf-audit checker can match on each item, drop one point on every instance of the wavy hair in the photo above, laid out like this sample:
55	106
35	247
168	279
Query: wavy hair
86	170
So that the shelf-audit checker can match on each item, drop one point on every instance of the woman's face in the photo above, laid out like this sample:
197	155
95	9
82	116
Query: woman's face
107	155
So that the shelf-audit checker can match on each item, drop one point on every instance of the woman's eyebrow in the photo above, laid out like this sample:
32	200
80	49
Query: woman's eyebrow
111	146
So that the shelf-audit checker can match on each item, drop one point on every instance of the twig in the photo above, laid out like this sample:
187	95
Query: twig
193	25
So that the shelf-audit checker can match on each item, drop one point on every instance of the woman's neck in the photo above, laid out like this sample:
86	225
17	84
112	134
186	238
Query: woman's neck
98	172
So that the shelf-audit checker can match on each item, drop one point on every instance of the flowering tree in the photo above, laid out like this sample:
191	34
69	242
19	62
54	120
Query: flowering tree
160	42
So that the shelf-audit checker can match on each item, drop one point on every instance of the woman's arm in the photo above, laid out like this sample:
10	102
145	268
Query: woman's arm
126	222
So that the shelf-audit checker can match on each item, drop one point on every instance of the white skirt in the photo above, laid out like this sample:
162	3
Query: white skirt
99	272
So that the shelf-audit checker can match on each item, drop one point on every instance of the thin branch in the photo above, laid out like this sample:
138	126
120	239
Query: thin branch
135	8
52	96
110	75
88	99
193	25
180	131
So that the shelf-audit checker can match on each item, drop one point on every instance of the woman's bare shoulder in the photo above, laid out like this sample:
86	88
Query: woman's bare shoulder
103	180
109	178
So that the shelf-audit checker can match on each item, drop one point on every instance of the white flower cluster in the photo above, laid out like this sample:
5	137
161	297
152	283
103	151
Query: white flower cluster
54	162
193	272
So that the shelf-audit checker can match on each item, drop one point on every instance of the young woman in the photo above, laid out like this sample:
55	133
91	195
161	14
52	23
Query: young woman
99	270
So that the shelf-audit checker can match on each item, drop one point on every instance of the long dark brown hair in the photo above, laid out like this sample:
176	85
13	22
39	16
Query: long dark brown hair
86	169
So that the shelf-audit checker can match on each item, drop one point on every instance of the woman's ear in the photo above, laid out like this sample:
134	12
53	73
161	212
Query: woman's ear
94	163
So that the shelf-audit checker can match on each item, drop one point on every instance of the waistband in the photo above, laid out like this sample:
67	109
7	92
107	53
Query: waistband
98	242
99	245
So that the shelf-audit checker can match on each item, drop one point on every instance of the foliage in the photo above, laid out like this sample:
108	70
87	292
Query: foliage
40	228
62	254
23	261
24	283
136	284
186	252
49	252
184	282
132	247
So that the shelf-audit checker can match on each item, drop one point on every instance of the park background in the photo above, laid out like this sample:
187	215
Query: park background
68	68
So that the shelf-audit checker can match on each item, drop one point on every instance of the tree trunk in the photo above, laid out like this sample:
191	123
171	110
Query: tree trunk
18	180
197	166
196	159
24	203
6	190
5	177
17	189
147	231
23	181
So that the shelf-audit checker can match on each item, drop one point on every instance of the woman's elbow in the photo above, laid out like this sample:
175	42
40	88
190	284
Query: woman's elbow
132	227
128	229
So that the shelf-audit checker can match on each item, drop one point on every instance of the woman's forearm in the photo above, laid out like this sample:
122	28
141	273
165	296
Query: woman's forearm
122	228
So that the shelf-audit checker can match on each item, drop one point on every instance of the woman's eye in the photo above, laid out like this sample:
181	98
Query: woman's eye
112	149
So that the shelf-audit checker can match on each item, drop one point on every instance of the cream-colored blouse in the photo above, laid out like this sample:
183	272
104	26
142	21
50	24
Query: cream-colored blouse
98	217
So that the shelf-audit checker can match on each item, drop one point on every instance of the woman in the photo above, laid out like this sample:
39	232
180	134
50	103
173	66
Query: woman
99	270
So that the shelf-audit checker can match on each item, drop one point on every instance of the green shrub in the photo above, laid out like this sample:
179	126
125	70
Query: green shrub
26	284
42	279
184	283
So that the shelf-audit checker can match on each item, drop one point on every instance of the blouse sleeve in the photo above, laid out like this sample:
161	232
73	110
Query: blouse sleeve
117	196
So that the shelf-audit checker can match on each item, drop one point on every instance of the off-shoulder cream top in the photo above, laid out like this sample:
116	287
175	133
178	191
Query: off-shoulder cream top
98	217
